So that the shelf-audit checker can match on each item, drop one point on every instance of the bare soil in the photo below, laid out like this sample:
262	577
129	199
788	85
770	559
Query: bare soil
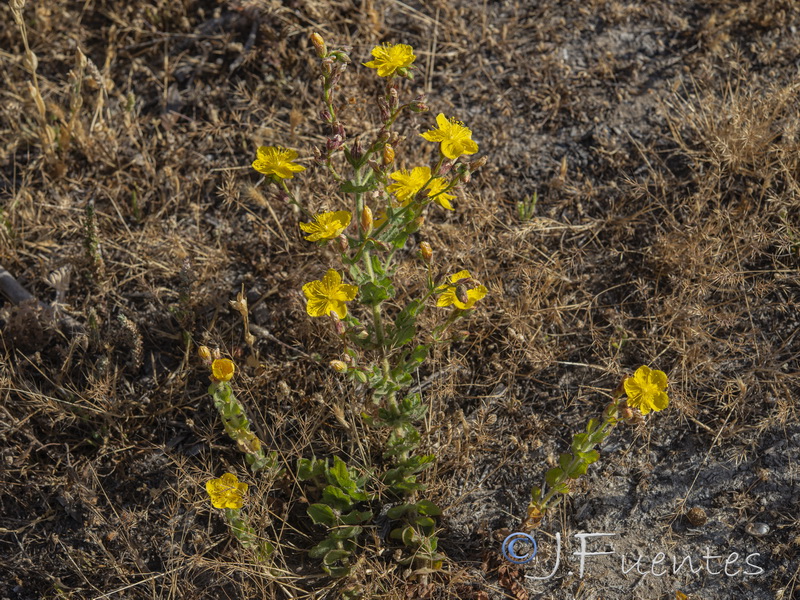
663	142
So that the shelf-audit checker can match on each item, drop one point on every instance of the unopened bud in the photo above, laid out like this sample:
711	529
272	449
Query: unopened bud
384	108
477	164
394	98
342	242
204	353
419	105
363	334
338	366
338	326
339	129
333	143
358	149
319	45
325	115
366	219
388	154
461	293
327	66
445	168
466	177
626	413
426	251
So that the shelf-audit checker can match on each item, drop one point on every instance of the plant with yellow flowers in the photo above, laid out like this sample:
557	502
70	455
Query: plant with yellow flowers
228	493
645	391
233	415
383	203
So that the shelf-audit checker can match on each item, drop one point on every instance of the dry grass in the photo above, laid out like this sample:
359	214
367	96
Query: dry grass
672	238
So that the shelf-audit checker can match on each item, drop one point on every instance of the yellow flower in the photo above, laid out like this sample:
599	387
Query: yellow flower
455	138
226	492
276	162
388	59
222	369
410	183
329	295
645	390
441	198
327	226
450	293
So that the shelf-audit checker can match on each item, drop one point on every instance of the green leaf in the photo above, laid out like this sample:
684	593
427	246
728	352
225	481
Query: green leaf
536	494
553	475
564	460
400	240
323	548
410	537
426	523
426	507
355	517
589	457
578	470
579	442
321	514
592	425
336	498
346	532
372	294
560	488
348	187
309	468
398	511
338	475
403	336
334	556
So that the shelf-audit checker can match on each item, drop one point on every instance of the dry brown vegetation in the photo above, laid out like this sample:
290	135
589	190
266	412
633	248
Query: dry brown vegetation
663	139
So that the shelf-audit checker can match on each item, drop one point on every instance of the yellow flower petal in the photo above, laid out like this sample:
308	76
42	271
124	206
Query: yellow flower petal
327	226
328	295
388	59
223	369
276	162
456	139
226	492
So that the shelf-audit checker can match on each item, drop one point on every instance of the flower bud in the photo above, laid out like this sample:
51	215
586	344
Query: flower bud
327	66
394	98
334	143
338	366
384	108
342	242
366	219
363	334
477	164
626	413
388	154
418	105
426	251
325	115
338	326
204	353
319	45
445	168
358	149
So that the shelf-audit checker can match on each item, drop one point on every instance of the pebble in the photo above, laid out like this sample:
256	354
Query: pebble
757	529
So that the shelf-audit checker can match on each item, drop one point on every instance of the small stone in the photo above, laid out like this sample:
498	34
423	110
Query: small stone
757	529
697	516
